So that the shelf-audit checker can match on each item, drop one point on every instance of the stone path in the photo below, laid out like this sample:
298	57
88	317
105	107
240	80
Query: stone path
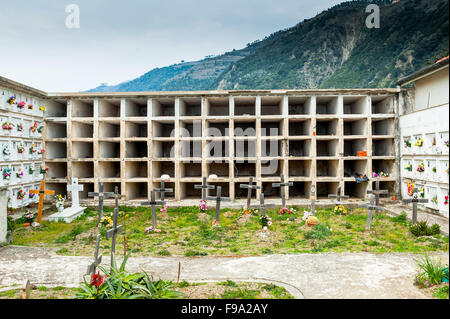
346	275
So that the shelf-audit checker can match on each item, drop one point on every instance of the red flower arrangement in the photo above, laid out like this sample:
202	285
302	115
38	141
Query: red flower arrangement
97	280
21	105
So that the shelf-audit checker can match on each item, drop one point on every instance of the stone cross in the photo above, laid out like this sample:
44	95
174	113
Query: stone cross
377	192
163	190
263	206
113	232
153	203
97	259
338	196
204	187
101	195
218	198
282	185
250	188
42	192
74	189
371	207
414	201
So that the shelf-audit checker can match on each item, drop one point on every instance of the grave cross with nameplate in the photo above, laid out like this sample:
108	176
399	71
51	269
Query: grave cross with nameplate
163	190
153	202
204	187
371	207
101	195
262	206
113	232
338	196
282	186
377	192
42	192
250	188
97	259
218	198
415	200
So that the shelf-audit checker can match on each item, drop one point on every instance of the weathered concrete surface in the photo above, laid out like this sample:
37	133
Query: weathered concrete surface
347	275
3	214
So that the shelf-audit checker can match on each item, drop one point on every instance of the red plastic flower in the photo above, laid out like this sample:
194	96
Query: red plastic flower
97	280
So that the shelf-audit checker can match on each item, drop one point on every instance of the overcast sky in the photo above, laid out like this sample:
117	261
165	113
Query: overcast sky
120	40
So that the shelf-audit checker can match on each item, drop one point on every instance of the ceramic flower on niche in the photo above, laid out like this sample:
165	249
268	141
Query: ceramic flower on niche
421	168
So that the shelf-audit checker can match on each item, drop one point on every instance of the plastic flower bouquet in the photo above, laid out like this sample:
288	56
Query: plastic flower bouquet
6	151
434	200
6	173
446	143
203	206
41	108
41	151
43	170
7	126
446	200
59	200
409	167
419	142
266	221
286	210
421	168
411	186
21	194
33	128
340	210
407	143
33	149
163	209
19	174
19	127
11	100
31	170
20	149
106	221
422	192
21	105
40	129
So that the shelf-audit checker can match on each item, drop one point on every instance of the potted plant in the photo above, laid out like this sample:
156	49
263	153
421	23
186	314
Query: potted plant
60	202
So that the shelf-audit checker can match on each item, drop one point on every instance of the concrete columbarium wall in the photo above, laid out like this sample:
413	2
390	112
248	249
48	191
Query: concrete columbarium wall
23	141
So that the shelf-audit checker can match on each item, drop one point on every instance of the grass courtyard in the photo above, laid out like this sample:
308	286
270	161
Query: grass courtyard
183	234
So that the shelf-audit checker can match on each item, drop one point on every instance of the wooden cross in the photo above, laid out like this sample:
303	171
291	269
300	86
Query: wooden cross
97	259
377	192
414	201
113	232
163	190
101	195
282	185
153	203
338	196
42	192
250	188
371	207
263	206
204	187
218	199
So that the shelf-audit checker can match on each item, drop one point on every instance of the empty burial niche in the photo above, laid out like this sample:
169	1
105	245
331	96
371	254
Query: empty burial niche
56	130
244	106
136	191
221	169
57	170
188	190
82	130
271	148
190	170
56	108
272	128
383	147
163	129
326	127
191	149
136	169
225	190
383	127
191	128
217	129
240	193
244	169
109	108
326	188
300	148
327	148
136	107
299	105
247	128
160	168
83	169
299	127
136	150
352	167
87	188
327	105
355	105
109	169
300	190
355	190
386	166
163	107
82	108
244	148
355	127
353	146
82	149
191	107
136	129
382	105
326	168
109	129
272	105
389	185
56	150
300	168
218	149
58	188
271	168
109	149
218	107
110	187
269	191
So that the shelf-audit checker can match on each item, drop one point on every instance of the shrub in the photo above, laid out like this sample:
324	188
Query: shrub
431	270
192	253
422	229
164	252
318	232
400	219
228	283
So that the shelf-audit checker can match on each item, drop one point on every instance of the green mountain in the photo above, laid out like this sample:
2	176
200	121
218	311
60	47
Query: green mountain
335	49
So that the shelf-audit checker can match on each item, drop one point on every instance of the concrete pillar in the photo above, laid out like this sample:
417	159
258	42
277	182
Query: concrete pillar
3	214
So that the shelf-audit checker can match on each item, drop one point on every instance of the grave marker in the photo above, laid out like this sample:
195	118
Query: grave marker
204	187
101	195
97	259
282	185
163	190
70	213
371	207
218	198
113	232
250	188
313	201
262	206
338	196
377	192
415	200
42	192
153	204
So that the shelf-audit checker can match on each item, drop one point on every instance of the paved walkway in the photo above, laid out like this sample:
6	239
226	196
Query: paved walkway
347	275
